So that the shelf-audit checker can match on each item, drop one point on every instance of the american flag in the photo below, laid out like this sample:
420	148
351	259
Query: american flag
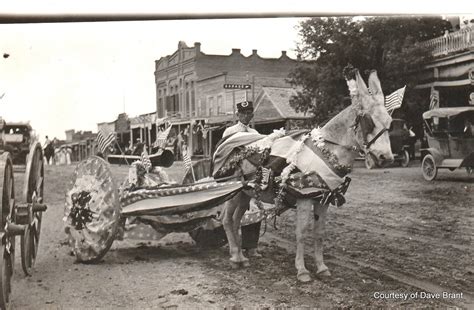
394	100
104	140
434	99
161	138
187	161
146	160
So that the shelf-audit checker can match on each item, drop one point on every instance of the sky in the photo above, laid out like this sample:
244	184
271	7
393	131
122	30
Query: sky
62	76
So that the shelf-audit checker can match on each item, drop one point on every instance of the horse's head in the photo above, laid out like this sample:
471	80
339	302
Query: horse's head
372	120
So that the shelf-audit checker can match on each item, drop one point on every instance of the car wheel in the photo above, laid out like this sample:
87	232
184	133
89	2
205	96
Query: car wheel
370	162
405	158
429	168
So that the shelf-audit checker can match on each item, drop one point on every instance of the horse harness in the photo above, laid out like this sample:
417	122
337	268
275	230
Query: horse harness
366	124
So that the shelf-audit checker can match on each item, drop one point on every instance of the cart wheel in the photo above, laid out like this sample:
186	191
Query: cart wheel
92	210
370	161
6	264
32	193
429	168
7	246
405	158
28	249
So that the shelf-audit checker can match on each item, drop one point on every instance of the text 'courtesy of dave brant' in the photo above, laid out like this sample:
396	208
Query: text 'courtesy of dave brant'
416	295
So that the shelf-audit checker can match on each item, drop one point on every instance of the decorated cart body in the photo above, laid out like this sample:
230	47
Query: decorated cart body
97	211
20	217
449	140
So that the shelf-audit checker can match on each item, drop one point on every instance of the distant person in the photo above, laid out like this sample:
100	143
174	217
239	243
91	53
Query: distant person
138	148
48	149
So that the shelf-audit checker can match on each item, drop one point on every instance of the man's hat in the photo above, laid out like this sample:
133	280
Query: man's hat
245	106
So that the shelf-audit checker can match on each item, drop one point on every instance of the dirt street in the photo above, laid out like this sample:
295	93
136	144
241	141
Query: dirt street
397	234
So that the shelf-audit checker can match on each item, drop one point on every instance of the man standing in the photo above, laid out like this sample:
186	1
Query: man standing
250	233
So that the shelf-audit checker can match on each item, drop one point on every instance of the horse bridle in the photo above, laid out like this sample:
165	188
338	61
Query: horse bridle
366	145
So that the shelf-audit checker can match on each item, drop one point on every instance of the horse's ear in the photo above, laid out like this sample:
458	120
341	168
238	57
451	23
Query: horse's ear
360	84
375	87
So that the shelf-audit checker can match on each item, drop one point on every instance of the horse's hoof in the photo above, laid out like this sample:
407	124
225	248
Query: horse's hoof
253	253
235	265
324	273
245	263
304	277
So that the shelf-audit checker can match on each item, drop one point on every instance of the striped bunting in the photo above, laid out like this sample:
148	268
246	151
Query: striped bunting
178	199
394	100
104	140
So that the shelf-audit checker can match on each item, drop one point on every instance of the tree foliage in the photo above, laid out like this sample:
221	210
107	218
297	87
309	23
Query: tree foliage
386	44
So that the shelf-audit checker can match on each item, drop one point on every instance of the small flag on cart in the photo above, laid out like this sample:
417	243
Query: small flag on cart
187	161
188	165
146	161
161	138
104	140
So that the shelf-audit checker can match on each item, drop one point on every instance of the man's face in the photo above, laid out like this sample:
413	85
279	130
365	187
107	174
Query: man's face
245	116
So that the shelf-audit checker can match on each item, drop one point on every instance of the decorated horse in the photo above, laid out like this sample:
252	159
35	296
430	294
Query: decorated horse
304	169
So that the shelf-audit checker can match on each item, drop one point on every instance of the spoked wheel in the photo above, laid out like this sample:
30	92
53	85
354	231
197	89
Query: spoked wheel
370	162
32	194
429	168
7	246
405	159
92	210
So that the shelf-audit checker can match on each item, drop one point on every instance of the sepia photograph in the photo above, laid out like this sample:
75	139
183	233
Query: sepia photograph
246	155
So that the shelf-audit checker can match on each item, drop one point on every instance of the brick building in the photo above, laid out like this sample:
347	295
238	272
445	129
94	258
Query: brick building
190	90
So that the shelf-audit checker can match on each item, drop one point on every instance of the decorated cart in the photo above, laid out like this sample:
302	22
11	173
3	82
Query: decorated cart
98	211
20	217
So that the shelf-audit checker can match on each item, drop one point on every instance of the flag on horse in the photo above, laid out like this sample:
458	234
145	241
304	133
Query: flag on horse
104	140
394	100
145	159
162	137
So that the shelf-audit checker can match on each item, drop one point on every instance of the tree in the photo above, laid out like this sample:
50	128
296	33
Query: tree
386	44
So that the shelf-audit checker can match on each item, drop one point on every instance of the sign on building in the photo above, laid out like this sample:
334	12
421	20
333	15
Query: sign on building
237	86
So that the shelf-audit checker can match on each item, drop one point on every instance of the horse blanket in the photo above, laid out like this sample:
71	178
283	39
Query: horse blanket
312	172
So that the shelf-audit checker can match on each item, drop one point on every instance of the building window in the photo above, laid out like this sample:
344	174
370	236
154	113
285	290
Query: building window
212	108
220	105
160	108
193	100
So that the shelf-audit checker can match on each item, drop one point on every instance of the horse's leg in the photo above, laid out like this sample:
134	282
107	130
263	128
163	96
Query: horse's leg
228	222
304	218
320	213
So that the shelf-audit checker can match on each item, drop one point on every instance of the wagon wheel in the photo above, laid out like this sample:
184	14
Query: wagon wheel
370	161
32	193
429	168
92	210
405	159
7	247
